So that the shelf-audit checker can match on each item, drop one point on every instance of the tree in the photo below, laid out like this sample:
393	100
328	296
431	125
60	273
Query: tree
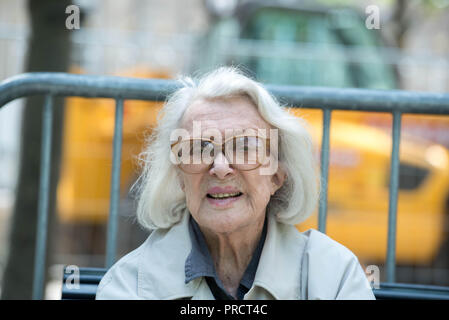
49	49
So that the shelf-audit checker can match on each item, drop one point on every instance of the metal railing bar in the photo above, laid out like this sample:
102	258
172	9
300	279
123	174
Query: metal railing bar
63	84
393	198
115	185
322	215
387	294
355	99
43	201
413	286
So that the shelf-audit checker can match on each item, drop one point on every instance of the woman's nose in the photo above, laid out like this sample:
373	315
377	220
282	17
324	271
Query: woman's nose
221	167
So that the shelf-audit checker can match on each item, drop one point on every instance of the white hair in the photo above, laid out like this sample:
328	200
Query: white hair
161	201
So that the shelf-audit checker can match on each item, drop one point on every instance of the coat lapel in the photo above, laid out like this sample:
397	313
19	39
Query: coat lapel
161	272
279	270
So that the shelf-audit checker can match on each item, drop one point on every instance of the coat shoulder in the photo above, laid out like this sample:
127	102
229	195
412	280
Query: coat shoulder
332	270
326	248
120	281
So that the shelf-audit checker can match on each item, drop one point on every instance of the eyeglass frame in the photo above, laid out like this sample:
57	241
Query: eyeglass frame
267	144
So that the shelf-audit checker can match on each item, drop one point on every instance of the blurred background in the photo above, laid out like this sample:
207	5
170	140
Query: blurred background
339	43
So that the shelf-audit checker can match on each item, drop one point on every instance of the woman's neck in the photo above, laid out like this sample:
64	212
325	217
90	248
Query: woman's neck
232	253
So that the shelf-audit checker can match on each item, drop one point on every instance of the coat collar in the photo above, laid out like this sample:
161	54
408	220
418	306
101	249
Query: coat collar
161	267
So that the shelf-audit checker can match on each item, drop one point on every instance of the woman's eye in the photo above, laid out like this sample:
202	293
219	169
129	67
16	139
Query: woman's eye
208	147
205	144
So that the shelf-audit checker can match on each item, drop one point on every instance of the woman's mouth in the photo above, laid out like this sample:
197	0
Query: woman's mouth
222	200
224	195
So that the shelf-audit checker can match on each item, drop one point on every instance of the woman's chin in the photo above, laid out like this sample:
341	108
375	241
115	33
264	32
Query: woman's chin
225	221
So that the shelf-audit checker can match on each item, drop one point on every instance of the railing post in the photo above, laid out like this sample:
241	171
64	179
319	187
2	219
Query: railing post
393	197
322	215
44	189
111	245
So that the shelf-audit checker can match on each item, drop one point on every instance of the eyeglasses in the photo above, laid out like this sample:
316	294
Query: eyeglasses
243	152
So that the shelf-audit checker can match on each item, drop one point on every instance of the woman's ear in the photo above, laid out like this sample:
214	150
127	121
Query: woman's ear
277	180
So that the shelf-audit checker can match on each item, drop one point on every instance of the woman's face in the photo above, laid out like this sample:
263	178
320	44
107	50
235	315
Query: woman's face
246	193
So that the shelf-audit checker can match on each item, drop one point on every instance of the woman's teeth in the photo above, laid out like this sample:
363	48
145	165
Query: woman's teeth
224	195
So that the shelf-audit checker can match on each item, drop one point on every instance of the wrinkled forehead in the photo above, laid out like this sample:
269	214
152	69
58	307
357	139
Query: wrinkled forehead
224	114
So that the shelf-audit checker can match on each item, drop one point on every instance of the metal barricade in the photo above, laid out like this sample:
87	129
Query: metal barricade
328	99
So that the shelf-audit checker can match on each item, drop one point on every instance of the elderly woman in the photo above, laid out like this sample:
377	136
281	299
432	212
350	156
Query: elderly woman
227	175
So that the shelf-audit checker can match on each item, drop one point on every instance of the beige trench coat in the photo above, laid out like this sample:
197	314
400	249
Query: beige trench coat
293	265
